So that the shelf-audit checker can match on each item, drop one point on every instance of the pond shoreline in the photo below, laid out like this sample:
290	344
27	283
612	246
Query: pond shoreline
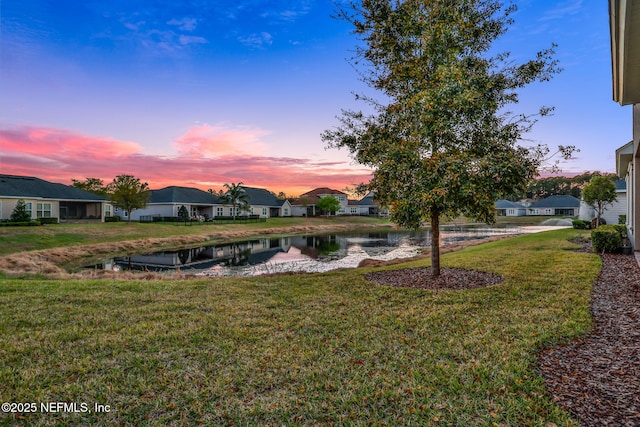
59	262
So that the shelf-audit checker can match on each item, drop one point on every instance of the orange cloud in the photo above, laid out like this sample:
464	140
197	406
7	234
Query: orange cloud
207	140
59	156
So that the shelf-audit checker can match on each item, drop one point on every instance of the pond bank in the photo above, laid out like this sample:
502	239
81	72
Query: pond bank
51	262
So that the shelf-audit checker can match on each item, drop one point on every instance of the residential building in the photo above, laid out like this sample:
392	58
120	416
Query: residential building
508	208
265	204
368	206
306	203
555	205
166	202
624	26
46	199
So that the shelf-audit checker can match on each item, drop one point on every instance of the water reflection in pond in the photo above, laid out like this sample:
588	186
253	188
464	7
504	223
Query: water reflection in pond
299	253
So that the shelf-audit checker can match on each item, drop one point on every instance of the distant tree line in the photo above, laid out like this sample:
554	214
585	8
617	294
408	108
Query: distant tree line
559	186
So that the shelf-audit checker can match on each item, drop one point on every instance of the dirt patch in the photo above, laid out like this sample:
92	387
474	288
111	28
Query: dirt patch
597	378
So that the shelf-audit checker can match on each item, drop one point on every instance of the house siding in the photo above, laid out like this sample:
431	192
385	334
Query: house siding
617	208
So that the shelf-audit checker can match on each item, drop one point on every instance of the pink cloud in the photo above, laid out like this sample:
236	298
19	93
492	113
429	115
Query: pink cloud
207	140
59	156
62	143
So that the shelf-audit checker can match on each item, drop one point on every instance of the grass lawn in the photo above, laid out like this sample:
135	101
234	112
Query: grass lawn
328	349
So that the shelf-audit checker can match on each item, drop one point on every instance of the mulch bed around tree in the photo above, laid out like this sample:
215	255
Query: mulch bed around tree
449	278
597	378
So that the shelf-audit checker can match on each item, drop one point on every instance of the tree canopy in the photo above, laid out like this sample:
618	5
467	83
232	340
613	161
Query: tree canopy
442	140
92	185
328	204
128	193
600	192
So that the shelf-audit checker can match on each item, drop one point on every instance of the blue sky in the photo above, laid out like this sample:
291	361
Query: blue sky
201	93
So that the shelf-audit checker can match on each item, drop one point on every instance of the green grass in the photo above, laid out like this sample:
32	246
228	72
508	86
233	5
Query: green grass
322	349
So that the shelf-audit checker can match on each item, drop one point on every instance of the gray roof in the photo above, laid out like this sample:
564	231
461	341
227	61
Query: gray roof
557	202
506	204
262	197
29	187
188	195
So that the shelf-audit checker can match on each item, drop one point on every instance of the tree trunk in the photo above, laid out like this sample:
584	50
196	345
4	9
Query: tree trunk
435	243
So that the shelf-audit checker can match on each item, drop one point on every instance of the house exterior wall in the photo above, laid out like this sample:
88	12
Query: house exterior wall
50	209
617	208
635	179
152	209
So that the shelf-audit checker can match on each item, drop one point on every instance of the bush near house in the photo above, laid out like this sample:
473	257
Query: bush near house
44	221
608	238
581	225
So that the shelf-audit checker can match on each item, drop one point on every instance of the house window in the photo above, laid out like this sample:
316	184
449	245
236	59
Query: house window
286	211
548	211
220	211
264	211
28	208
43	210
512	211
354	211
107	210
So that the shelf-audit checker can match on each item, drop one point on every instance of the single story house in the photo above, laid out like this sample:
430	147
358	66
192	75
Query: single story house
166	202
507	208
306	203
265	204
555	205
46	199
624	26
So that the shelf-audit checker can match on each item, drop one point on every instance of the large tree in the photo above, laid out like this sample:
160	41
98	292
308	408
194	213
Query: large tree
128	193
237	197
441	141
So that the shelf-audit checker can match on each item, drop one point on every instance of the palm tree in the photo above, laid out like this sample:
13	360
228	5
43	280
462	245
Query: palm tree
235	196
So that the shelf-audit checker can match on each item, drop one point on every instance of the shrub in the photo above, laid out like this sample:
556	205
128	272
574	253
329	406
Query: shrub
606	238
20	213
594	222
622	219
44	221
111	218
581	225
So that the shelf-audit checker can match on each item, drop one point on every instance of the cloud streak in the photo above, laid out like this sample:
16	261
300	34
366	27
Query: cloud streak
60	155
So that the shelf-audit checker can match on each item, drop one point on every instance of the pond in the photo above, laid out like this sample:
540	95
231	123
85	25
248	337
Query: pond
316	253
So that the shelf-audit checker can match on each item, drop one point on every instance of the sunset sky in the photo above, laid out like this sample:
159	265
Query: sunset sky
200	93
